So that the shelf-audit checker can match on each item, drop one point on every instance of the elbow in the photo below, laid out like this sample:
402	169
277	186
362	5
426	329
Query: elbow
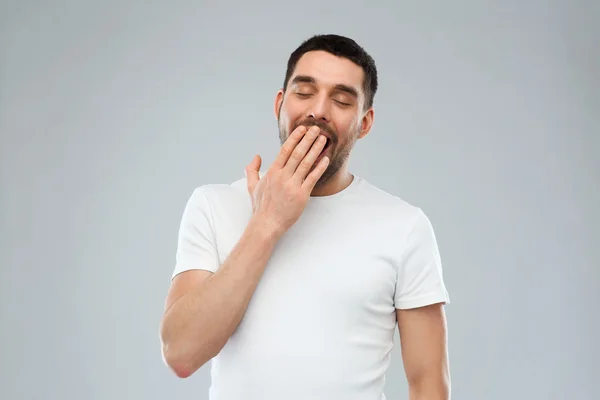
174	354
432	386
183	358
179	362
439	392
180	370
185	355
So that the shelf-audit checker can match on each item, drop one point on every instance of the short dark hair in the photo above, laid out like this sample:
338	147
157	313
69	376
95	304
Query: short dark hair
340	46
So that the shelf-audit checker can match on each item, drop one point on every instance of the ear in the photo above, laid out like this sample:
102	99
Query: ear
366	123
278	102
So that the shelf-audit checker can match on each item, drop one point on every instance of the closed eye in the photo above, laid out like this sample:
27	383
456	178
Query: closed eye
307	95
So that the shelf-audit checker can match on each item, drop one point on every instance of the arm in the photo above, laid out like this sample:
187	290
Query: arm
420	298
423	338
203	309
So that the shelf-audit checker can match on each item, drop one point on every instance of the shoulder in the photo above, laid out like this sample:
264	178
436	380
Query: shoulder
219	198
215	192
396	208
406	221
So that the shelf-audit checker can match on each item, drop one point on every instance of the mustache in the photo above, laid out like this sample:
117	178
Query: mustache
321	124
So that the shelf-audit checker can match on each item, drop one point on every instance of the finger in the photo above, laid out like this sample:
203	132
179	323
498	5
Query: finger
252	171
288	147
312	178
300	150
309	160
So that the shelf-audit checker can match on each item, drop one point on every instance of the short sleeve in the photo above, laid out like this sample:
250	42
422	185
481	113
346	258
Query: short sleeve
196	246
420	280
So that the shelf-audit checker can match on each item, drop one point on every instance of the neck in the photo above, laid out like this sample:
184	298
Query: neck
338	182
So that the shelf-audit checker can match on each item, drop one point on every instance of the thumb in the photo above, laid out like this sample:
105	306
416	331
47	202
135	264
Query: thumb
252	171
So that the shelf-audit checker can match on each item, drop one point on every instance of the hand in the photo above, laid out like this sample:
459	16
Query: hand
279	197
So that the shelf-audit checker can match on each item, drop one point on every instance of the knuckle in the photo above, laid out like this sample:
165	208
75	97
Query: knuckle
305	163
297	154
285	150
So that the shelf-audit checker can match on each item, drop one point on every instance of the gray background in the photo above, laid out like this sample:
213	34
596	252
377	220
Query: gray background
112	112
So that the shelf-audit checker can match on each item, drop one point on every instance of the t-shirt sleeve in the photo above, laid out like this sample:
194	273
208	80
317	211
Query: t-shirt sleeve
420	280
196	245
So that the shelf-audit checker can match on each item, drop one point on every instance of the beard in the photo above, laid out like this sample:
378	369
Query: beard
338	153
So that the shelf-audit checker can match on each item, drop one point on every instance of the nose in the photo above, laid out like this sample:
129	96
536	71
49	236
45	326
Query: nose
319	109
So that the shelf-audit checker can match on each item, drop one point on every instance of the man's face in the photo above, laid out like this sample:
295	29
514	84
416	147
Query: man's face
326	91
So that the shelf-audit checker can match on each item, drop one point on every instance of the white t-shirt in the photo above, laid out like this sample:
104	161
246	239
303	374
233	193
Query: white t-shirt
320	324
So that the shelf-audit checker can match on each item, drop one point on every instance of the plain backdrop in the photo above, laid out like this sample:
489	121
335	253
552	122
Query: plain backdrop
112	112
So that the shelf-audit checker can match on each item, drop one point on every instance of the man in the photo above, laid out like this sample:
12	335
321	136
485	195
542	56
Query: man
292	282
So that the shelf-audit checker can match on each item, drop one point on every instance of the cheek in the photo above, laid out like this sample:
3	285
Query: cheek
347	128
356	128
288	115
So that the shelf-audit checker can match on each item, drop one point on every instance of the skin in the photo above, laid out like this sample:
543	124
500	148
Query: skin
423	338
203	309
327	91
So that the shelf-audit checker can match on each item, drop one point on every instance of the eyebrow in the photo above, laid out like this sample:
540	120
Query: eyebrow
340	87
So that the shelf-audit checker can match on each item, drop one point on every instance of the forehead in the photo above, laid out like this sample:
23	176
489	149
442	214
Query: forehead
330	70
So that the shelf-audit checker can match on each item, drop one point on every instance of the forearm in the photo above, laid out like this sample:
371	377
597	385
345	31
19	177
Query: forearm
197	326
